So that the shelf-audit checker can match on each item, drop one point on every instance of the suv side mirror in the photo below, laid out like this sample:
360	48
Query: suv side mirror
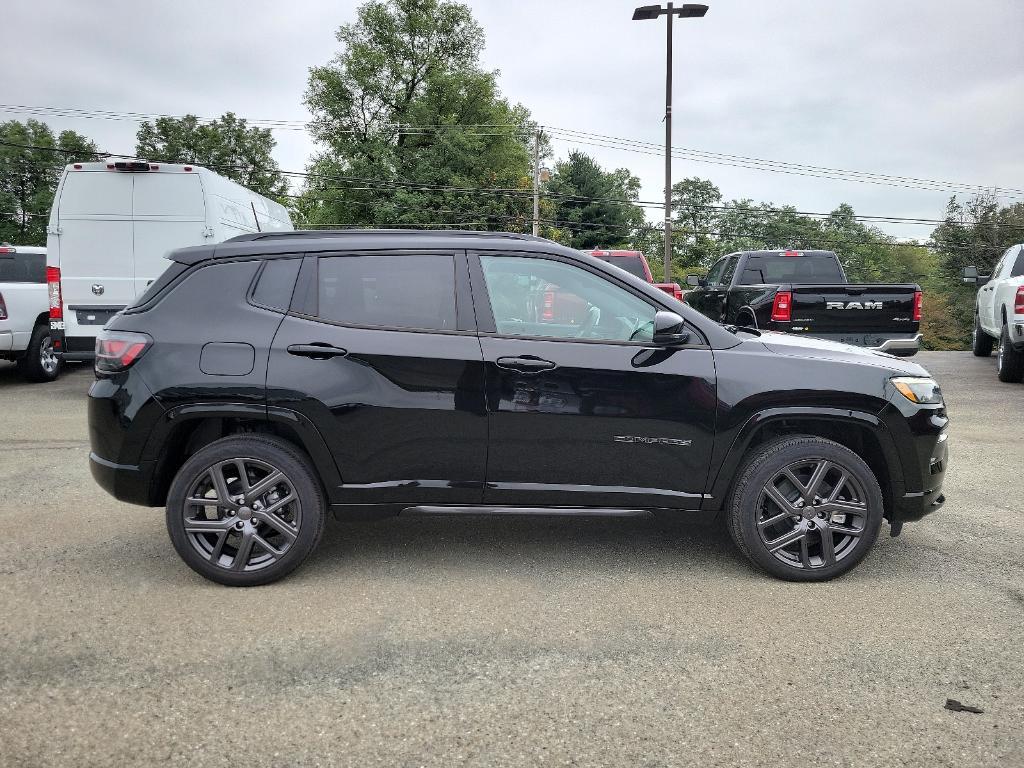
669	329
695	281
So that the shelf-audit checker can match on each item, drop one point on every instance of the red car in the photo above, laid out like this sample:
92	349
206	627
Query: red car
635	263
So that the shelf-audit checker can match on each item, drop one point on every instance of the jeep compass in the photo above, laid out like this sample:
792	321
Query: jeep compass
263	382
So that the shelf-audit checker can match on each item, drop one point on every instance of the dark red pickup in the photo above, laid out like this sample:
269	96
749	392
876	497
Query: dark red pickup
635	263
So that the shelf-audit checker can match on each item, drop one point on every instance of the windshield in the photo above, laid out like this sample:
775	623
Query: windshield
813	269
631	264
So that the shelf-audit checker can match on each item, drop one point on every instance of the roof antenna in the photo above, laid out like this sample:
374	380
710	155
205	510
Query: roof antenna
257	218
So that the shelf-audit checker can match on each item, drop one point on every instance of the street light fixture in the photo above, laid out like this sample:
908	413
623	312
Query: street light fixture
646	13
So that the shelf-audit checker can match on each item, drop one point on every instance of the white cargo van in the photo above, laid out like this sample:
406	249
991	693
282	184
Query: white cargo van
113	222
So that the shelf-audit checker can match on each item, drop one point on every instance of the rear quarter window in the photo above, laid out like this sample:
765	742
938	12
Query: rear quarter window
156	287
275	284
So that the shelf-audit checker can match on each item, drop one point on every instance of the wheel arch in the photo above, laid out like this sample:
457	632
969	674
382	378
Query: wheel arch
187	428
859	431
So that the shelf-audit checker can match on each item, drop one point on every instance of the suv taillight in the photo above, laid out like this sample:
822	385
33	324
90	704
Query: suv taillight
53	288
118	350
782	308
918	303
1018	301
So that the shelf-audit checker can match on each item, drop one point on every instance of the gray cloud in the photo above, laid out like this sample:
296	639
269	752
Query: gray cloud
914	88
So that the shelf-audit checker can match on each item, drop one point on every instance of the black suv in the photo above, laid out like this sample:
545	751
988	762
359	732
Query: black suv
261	381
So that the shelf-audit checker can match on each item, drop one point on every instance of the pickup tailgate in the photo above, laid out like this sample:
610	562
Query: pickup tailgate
855	309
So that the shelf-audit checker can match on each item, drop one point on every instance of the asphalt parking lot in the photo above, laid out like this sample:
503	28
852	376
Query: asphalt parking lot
534	641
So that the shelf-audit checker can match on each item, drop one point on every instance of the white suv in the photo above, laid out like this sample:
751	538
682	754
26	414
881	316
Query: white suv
999	312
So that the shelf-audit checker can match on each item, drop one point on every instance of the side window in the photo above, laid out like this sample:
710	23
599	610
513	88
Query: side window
389	290
1018	265
730	268
547	298
715	273
276	281
997	270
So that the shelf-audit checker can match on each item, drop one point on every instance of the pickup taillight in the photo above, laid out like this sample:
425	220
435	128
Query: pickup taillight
3	308
53	288
918	304
1018	301
782	308
548	312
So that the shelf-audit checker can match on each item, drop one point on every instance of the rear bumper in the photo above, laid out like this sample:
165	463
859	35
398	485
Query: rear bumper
1016	330
897	344
125	482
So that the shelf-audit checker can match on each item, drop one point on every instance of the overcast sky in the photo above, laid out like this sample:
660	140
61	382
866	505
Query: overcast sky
932	89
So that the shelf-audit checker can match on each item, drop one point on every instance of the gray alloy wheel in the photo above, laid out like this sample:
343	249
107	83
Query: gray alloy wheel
805	508
245	510
47	357
810	514
242	514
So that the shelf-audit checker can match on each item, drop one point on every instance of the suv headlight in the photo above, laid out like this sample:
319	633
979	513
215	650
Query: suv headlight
919	389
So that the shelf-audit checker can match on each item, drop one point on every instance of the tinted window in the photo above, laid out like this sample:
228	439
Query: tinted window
389	290
1018	266
541	297
715	273
813	269
22	267
730	268
631	264
276	282
156	286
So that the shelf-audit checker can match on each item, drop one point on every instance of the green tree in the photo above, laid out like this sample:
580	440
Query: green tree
226	145
591	204
404	114
695	217
31	162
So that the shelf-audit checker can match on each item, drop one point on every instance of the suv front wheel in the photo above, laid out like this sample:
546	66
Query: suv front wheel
245	510
805	508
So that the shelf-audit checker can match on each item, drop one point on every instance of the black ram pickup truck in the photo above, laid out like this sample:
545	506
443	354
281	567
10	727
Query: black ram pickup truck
807	293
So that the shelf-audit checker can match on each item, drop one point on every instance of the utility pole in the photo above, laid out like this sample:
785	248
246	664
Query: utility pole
536	182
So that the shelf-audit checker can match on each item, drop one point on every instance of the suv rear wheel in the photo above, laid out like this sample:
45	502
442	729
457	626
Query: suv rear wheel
805	509
245	510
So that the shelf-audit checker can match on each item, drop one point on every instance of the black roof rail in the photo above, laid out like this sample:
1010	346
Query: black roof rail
328	233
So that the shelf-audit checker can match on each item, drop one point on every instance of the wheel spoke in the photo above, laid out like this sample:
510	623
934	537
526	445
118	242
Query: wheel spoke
263	486
220	486
272	509
780	501
805	555
244	550
856	508
828	550
845	531
762	524
838	487
285	529
206	526
243	477
817	477
797	534
273	551
218	549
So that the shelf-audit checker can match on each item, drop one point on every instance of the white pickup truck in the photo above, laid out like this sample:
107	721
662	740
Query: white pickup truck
25	313
999	313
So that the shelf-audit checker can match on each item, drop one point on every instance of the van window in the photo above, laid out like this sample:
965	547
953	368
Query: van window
22	267
389	290
88	193
274	289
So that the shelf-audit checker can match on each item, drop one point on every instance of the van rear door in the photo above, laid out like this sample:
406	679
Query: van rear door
169	212
95	245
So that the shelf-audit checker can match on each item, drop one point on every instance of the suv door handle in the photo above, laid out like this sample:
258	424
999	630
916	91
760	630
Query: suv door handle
318	350
524	364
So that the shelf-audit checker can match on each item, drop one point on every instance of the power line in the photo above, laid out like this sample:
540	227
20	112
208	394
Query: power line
581	137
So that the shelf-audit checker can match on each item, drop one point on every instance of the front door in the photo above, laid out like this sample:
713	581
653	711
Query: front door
583	410
382	356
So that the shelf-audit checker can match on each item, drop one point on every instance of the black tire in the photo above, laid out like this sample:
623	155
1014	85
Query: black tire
40	363
1009	362
981	342
292	532
752	508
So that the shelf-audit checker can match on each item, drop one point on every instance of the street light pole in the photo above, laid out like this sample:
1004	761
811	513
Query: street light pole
668	147
645	13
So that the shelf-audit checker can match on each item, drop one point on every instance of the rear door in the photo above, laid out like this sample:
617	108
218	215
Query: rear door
169	212
95	246
380	353
710	299
590	413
